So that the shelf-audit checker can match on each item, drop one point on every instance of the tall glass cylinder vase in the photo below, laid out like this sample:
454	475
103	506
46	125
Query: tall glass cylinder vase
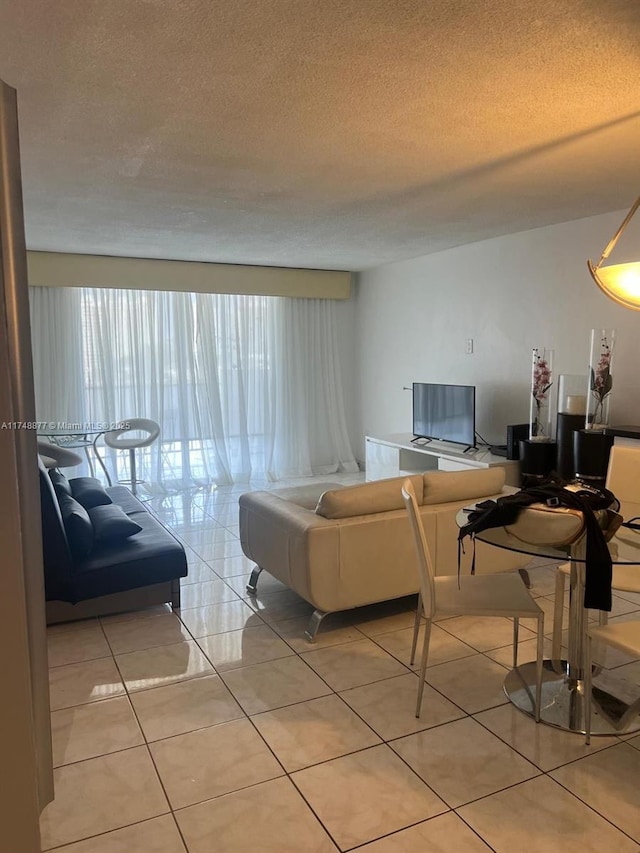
600	379
571	397
572	408
541	394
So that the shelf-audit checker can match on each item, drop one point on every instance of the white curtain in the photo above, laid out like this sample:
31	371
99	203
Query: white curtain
56	321
309	433
242	386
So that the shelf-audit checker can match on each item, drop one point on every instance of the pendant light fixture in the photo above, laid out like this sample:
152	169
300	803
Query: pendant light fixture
620	282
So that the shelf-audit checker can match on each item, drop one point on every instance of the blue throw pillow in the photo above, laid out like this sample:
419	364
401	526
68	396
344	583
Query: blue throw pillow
112	524
60	482
77	525
89	492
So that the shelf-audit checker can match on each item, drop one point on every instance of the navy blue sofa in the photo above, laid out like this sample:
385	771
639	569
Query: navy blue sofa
115	576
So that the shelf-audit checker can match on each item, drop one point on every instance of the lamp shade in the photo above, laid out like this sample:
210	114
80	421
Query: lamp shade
620	282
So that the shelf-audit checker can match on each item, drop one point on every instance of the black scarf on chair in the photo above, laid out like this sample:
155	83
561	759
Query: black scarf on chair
505	510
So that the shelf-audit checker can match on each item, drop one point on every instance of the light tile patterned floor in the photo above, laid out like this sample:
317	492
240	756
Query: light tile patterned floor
219	727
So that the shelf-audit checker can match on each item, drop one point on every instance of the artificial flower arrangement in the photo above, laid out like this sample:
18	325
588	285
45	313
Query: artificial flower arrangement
541	383
600	382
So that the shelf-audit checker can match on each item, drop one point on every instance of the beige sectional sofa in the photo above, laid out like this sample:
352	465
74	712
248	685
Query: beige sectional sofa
344	547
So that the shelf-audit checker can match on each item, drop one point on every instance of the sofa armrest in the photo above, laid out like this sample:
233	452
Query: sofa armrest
283	538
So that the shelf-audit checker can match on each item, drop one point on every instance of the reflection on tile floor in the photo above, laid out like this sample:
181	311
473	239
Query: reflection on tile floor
219	727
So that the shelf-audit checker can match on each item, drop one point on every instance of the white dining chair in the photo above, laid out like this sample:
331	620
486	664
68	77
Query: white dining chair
477	595
623	636
623	479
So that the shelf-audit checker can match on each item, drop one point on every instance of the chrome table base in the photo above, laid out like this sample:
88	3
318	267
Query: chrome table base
615	700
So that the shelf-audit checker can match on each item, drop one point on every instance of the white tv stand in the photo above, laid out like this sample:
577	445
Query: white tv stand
395	455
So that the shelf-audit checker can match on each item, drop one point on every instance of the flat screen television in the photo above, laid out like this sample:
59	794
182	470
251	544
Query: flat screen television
445	412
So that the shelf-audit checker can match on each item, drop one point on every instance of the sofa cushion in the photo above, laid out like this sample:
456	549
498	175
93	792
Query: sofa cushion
89	492
368	498
60	482
152	556
77	525
112	524
441	487
305	496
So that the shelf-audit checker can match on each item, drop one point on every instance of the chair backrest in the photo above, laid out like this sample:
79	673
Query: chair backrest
54	456
117	438
425	563
623	477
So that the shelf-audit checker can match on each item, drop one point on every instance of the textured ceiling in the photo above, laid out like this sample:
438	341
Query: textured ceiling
320	133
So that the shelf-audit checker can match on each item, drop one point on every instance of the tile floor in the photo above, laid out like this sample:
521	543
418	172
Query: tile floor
219	728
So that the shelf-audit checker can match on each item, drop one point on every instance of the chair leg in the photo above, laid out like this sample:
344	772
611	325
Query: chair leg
423	664
539	652
587	693
558	608
516	626
92	472
132	458
524	574
100	460
416	629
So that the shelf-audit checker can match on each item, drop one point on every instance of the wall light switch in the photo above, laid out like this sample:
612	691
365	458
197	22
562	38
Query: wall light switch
469	346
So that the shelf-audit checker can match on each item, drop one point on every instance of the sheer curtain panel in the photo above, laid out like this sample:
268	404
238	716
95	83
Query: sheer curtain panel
58	372
309	434
242	386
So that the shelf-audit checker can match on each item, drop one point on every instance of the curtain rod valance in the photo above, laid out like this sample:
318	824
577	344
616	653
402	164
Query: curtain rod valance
55	269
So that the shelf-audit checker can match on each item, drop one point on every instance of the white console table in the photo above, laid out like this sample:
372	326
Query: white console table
395	455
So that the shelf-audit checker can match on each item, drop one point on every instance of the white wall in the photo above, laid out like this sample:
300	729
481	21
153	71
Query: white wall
345	333
509	294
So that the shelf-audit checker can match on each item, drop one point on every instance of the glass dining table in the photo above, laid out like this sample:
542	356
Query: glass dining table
616	700
79	435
